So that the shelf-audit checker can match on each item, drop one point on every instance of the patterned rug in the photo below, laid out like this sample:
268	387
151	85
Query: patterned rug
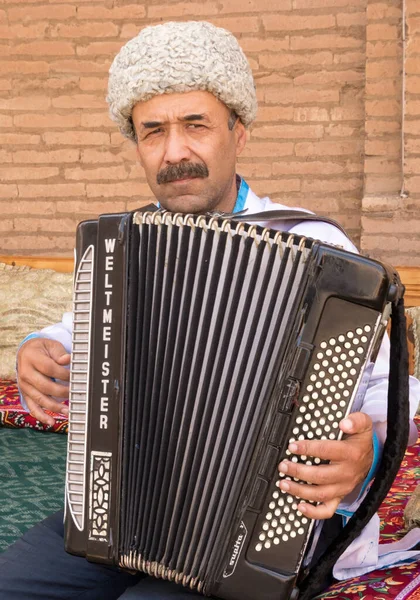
12	414
32	470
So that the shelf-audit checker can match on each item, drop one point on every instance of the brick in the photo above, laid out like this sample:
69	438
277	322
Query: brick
295	22
51	190
88	84
44	48
61	225
331	185
310	113
412	146
383	88
88	30
47	121
6	121
391	225
307	167
5	157
328	148
108	49
28	207
350	58
381	203
327	41
383	147
89	156
413	25
8	191
351	19
348	113
98	174
80	66
412	165
31	242
379	69
24	67
19	138
258	170
383	49
186	10
308	4
238	24
79	138
413	187
342	131
300	96
374	127
283	60
5	85
379	11
90	208
267	149
79	101
35	85
19	173
253	44
383	184
47	156
288	131
383	108
382	31
412	66
42	13
246	6
412	108
117	13
330	78
412	127
275	113
268	187
110	190
15	32
413	85
22	103
375	242
97	121
265	78
6	225
413	46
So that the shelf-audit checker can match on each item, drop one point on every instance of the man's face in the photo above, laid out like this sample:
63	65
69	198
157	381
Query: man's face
188	151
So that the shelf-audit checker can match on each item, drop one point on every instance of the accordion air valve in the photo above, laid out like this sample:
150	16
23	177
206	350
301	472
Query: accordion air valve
201	348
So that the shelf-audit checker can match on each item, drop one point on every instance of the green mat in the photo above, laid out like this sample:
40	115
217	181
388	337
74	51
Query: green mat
32	472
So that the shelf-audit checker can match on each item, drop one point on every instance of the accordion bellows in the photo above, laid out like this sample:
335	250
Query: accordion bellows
201	349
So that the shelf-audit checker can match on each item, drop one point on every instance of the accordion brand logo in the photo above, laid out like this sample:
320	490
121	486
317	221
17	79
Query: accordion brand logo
236	551
106	330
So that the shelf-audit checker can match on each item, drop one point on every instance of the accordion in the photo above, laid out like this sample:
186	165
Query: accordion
201	348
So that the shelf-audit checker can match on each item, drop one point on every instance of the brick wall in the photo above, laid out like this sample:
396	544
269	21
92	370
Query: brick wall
321	66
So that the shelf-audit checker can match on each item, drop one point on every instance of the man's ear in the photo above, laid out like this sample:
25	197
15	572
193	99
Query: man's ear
241	137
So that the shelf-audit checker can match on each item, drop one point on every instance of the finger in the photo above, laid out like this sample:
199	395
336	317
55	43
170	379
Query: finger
37	412
64	360
44	385
357	423
331	450
38	399
320	511
48	366
313	493
319	475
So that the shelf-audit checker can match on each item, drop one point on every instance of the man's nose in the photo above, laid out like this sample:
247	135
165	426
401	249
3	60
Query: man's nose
176	147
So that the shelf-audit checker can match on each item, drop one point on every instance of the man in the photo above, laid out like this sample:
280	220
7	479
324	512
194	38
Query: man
184	93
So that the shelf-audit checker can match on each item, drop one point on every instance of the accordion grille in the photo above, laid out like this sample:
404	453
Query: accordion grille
209	307
79	388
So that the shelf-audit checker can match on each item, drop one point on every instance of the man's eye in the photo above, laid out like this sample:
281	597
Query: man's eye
153	132
195	126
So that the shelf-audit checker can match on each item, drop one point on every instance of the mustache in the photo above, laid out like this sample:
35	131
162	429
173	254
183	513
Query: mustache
181	171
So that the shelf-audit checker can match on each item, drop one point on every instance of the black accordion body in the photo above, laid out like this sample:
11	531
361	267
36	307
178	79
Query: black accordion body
202	347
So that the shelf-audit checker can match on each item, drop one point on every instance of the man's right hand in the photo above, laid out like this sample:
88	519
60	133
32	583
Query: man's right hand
39	360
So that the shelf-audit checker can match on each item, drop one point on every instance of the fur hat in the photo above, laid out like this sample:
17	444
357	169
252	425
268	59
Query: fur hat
180	57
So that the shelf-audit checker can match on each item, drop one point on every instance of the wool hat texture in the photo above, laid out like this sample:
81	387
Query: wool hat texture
178	57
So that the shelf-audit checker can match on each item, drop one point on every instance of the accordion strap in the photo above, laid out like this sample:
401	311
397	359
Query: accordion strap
393	453
281	215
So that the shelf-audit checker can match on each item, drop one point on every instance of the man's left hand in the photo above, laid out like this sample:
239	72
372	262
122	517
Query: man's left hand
350	461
